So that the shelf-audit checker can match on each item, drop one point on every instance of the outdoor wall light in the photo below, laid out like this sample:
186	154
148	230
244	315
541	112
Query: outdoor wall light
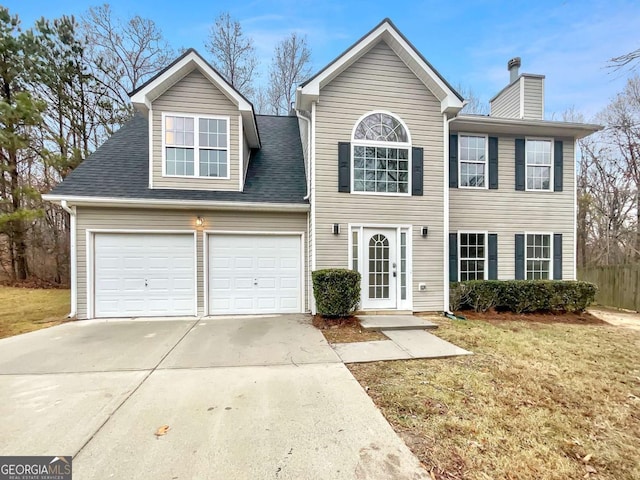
336	229
199	221
425	231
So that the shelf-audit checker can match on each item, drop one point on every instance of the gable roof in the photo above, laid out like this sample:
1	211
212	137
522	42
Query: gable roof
450	100
119	169
143	96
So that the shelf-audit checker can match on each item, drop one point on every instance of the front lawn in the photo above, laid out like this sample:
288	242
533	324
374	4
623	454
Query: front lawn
26	309
536	401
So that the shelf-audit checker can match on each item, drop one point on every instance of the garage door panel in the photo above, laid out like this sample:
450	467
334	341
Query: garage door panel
257	273
144	274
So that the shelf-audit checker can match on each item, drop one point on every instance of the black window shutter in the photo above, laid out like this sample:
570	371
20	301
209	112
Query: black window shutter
520	166
519	256
417	172
493	256
344	167
493	162
453	161
557	256
557	166
453	257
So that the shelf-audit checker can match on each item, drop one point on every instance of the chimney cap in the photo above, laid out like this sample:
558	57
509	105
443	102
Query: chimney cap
515	62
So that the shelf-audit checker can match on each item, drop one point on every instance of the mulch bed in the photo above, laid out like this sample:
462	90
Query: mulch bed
581	318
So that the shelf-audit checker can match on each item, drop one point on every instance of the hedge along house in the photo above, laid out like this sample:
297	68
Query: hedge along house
198	206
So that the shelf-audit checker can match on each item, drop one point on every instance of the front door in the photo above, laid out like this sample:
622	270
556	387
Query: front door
380	268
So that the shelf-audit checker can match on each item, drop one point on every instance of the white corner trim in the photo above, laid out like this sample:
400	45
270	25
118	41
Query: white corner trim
446	213
73	253
521	86
575	211
240	154
150	120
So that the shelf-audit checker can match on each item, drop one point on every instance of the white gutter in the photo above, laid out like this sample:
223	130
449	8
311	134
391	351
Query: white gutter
73	234
308	121
175	204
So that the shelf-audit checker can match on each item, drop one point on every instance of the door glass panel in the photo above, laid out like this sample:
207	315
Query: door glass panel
379	267
354	250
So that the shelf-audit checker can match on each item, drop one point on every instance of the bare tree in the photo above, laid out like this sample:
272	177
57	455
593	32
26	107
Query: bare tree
122	54
622	118
473	103
289	67
234	54
628	59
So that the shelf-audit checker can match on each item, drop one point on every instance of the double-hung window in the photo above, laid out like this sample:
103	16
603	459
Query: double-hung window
473	253
196	146
539	162
538	256
473	161
381	155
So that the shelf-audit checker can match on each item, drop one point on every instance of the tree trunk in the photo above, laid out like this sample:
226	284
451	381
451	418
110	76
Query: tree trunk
636	255
21	269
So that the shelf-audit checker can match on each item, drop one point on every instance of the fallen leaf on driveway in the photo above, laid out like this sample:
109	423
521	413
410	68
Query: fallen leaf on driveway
587	458
590	469
162	430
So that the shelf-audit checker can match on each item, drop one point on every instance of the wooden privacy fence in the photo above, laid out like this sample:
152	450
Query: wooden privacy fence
618	285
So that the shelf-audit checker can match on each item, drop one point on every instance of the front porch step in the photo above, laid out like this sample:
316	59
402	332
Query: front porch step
382	312
394	322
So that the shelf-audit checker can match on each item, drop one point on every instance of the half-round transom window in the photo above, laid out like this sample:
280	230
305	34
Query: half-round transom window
381	155
381	127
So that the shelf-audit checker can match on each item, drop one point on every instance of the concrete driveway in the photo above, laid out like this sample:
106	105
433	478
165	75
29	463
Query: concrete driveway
245	398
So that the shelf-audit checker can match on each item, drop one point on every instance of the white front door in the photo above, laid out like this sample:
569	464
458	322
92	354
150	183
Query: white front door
144	275
379	279
254	274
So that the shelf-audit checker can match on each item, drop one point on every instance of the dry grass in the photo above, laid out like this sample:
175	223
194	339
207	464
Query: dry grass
536	401
344	330
26	309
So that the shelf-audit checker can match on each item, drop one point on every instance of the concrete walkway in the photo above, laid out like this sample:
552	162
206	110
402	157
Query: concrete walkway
261	398
407	339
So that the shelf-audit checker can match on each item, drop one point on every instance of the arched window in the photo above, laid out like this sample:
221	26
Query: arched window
381	154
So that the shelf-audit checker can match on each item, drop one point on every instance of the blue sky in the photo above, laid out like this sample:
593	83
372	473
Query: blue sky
469	42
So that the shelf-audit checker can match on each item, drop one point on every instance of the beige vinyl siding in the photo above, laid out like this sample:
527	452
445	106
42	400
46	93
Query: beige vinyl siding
379	80
156	219
507	103
195	94
506	211
533	98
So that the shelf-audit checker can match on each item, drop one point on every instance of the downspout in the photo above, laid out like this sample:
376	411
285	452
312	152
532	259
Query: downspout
74	258
308	122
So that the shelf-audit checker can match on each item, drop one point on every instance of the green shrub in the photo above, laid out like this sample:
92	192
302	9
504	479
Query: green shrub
525	296
337	291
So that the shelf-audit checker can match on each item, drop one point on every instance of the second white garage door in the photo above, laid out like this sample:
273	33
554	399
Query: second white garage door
254	274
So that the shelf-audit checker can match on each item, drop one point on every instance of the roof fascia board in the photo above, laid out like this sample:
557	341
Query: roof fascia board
523	127
163	82
385	30
174	204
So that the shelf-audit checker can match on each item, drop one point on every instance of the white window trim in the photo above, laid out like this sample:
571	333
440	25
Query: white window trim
486	161
196	145
526	164
485	272
373	143
526	258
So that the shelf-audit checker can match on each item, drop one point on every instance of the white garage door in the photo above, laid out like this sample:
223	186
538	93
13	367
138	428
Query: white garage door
144	275
254	274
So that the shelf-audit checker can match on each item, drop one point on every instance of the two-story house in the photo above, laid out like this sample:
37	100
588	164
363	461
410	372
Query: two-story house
198	206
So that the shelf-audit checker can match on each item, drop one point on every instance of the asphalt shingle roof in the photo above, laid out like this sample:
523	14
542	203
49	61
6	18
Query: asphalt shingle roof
120	168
